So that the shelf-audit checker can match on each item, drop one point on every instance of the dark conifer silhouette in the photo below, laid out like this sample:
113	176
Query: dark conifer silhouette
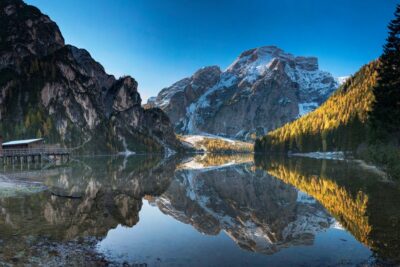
385	115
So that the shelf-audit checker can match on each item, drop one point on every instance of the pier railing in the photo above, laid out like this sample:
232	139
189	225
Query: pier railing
33	152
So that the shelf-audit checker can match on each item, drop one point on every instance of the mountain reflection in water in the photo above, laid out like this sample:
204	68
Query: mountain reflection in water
268	211
259	213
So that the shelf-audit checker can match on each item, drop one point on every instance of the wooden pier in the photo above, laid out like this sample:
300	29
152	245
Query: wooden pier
34	155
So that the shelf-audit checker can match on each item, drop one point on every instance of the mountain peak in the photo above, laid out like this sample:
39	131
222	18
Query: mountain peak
256	57
26	31
258	61
261	90
261	51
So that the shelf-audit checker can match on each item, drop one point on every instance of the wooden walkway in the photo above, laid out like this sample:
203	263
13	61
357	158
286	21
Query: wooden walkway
33	155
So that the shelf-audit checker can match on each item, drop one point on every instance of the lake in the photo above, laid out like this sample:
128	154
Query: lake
204	210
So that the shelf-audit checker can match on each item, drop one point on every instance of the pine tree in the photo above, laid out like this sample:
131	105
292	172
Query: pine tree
385	115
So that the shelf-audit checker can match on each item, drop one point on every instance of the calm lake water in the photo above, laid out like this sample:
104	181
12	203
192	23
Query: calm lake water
209	210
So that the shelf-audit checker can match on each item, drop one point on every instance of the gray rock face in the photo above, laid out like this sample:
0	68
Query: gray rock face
174	100
60	92
261	90
26	31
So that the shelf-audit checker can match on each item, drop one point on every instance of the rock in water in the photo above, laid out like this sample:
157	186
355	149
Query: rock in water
261	90
60	92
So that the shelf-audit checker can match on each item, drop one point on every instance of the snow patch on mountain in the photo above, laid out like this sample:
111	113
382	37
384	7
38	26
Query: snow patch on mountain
251	69
175	88
341	80
203	102
309	80
304	197
305	108
337	225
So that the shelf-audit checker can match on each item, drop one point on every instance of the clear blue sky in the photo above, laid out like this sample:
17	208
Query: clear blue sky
161	41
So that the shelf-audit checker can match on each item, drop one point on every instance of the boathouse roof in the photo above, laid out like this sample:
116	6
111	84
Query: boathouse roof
22	142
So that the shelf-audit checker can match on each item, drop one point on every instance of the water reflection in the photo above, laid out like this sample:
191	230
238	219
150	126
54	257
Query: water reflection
87	199
277	208
258	212
362	201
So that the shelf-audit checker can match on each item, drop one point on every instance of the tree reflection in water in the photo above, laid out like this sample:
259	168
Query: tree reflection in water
264	206
362	201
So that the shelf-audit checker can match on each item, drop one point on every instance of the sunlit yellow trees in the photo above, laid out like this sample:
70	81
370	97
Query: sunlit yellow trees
338	124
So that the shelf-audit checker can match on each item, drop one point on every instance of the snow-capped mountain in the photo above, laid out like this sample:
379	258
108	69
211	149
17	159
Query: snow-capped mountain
261	90
257	211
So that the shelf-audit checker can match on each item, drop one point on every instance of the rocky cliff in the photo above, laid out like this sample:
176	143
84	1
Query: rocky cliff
60	92
261	90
